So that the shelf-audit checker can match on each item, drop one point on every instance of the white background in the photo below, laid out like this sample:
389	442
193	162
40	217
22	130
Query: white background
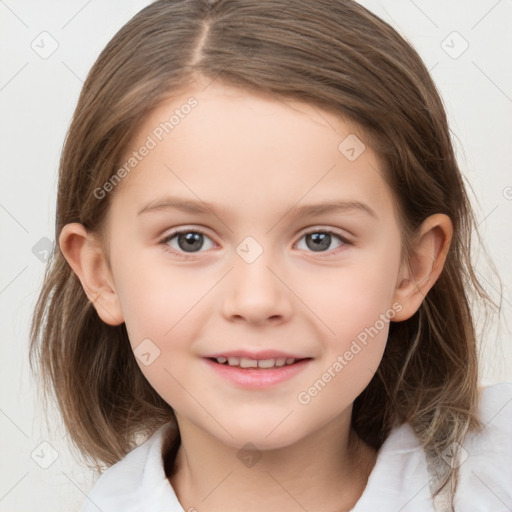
38	97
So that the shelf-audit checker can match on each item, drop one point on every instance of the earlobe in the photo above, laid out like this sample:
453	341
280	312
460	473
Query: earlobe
428	256
86	257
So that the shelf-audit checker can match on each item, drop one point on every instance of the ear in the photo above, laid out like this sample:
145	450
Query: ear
428	255
86	257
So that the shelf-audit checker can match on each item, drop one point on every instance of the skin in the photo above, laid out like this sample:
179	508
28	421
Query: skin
256	158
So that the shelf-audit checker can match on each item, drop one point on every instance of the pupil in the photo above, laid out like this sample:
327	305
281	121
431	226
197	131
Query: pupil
319	241
190	241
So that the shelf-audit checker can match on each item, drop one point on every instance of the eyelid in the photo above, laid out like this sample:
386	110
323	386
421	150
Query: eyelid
177	231
187	229
307	231
346	238
346	241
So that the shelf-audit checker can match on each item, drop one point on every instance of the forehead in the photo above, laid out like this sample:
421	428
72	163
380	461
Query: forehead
221	143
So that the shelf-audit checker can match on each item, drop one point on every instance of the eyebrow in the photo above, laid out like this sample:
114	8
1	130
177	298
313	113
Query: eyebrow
202	207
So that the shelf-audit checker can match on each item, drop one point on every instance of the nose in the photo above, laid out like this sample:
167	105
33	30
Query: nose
256	292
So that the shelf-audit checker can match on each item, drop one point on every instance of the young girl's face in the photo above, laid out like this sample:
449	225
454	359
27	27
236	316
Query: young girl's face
247	179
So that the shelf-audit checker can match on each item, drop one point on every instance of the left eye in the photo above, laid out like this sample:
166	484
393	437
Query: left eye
187	241
320	241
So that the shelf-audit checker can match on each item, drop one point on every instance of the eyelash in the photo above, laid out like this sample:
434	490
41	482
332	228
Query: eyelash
184	255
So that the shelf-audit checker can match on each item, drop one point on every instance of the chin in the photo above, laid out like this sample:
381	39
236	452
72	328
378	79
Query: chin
264	435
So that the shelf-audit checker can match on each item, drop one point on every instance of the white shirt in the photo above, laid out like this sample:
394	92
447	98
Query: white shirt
398	481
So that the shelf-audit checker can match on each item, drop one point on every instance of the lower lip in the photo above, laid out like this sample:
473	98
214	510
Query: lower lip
257	378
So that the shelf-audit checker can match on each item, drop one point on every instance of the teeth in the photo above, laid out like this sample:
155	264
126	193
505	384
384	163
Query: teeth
246	362
266	363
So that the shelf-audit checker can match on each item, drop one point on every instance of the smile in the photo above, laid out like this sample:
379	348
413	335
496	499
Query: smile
256	372
246	362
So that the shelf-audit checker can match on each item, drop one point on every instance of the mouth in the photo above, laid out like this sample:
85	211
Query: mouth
256	371
263	364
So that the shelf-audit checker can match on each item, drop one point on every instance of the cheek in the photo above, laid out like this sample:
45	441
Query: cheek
359	313
352	299
156	298
162	316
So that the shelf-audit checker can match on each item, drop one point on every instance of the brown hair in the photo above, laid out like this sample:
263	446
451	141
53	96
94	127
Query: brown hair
336	55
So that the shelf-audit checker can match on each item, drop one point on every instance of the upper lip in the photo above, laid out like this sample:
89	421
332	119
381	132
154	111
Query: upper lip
259	355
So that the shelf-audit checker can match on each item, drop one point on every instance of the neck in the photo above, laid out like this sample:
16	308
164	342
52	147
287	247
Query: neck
325	472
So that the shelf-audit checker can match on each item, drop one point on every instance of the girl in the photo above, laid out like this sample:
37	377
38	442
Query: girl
264	269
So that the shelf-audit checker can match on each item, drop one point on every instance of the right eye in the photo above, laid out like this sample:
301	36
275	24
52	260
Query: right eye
186	241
